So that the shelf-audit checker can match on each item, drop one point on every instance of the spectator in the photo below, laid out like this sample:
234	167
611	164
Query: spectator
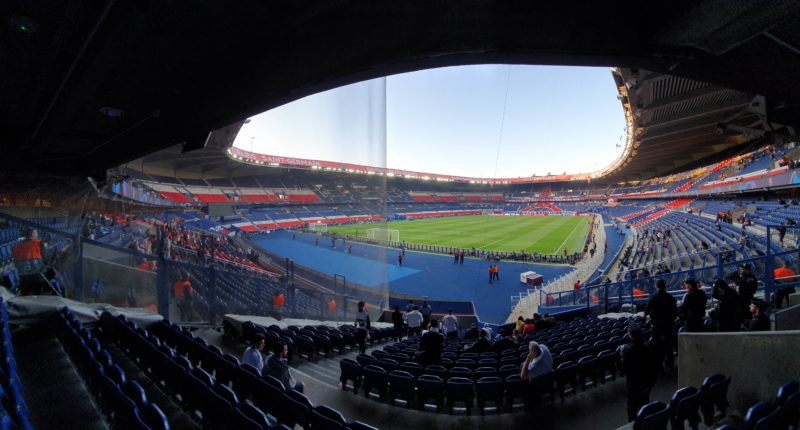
431	345
488	329
538	363
131	297
278	300
332	306
662	309
278	366
577	285
693	306
483	344
640	374
727	311
397	320
410	306
450	325
783	275
471	332
363	325
414	321
759	321
252	355
426	313
520	325
748	284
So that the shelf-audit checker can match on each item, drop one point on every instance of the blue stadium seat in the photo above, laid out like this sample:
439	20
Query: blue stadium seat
708	401
460	390
652	416
430	387
375	379
297	409
755	414
153	417
257	415
325	418
489	389
401	387
350	371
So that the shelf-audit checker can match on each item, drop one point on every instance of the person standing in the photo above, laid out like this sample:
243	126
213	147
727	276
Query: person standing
662	309
491	273
748	284
29	254
640	374
426	314
783	275
362	324
397	321
414	321
727	311
455	257
693	306
450	325
400	259
461	257
497	272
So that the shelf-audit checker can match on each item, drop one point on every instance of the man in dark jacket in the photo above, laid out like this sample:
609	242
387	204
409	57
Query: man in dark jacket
693	306
397	320
748	284
430	345
663	309
759	321
727	311
640	373
483	344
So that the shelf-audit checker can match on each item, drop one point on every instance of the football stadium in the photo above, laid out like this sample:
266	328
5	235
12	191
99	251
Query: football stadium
390	215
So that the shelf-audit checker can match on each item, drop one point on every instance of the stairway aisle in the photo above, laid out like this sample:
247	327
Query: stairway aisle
56	395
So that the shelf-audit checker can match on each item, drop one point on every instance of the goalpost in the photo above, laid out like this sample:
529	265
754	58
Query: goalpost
320	227
390	234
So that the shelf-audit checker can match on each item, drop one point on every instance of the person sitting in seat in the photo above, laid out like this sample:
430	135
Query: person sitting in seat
471	332
538	363
483	344
278	366
252	355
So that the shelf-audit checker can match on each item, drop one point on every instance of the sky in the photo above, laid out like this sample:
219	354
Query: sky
487	121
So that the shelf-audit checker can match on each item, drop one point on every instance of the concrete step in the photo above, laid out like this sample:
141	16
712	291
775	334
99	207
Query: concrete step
56	395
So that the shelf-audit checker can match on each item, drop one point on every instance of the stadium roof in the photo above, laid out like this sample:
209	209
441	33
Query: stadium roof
87	86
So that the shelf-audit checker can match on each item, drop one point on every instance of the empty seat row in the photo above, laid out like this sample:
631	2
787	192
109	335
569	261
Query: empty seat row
13	410
213	384
688	404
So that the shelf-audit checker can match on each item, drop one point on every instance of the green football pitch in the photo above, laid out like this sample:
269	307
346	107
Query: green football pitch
542	234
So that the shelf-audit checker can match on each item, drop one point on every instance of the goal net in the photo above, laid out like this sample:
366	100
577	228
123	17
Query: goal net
318	227
390	234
